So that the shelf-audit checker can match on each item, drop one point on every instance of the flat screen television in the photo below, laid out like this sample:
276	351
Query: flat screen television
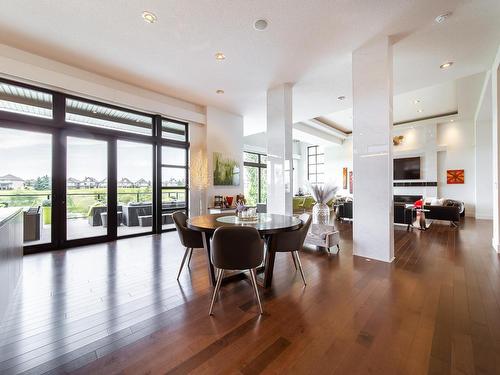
407	168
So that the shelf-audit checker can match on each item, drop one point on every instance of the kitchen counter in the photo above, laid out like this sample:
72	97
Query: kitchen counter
11	255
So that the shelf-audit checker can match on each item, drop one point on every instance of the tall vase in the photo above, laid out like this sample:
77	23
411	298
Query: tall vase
321	213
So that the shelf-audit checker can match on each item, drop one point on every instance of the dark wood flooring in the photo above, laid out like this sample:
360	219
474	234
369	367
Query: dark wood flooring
117	308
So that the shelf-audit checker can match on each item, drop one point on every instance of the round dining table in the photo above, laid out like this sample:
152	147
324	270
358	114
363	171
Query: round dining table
266	224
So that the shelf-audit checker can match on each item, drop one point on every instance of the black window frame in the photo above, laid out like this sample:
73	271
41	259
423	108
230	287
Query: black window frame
59	128
260	165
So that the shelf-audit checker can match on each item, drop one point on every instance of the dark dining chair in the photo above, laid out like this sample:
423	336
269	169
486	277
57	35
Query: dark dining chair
292	242
236	248
190	239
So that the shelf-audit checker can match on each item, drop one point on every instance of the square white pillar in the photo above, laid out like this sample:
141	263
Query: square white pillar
495	97
279	150
373	235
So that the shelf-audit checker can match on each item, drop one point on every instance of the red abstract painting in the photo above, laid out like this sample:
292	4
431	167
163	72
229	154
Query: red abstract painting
455	176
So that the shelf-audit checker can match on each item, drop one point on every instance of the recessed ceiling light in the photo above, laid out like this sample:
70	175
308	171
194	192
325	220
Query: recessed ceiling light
260	25
94	111
442	17
416	101
149	17
420	110
219	92
219	56
342	97
452	120
446	65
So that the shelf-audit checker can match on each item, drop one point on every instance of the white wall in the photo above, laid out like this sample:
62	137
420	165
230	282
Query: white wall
337	158
29	68
458	137
224	134
420	139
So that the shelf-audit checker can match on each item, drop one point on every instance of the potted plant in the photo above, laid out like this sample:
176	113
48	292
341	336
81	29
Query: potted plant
322	194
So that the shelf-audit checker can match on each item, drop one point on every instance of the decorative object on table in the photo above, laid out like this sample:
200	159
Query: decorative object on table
322	194
240	206
351	182
455	176
228	201
226	171
344	178
300	192
199	175
397	140
240	198
248	214
218	201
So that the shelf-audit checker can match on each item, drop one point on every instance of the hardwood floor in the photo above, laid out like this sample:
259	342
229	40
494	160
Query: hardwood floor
118	308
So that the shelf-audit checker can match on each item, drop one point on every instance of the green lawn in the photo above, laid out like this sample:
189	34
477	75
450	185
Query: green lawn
78	200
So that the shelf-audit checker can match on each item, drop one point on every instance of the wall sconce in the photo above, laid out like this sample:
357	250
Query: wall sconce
397	140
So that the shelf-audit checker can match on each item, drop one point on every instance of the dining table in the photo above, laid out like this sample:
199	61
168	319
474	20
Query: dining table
266	224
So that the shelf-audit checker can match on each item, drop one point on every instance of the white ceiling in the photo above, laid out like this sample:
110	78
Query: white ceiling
308	43
433	101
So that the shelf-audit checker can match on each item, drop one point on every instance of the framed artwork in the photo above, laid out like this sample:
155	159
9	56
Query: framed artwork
226	171
455	176
344	178
351	181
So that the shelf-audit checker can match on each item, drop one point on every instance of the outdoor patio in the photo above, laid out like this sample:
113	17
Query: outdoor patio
80	228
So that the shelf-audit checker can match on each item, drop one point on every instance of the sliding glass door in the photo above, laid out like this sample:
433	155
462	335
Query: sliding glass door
86	188
85	171
134	187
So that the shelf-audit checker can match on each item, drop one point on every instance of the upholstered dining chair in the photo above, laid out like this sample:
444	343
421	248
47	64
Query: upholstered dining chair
292	242
190	239
236	248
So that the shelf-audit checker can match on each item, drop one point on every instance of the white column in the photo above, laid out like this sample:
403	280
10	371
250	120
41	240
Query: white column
495	101
279	150
373	235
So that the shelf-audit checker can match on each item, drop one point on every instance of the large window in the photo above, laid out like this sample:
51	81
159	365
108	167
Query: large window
173	130
26	180
174	184
85	171
100	116
25	101
255	177
315	165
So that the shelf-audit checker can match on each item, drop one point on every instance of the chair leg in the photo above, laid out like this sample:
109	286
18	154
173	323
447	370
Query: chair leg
338	248
190	255
255	289
297	258
183	261
294	261
216	290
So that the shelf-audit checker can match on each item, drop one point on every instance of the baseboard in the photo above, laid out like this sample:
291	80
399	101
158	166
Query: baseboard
485	217
495	245
377	259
